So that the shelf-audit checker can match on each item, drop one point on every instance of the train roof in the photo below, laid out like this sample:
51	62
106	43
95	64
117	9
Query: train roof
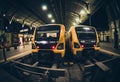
83	26
50	25
76	26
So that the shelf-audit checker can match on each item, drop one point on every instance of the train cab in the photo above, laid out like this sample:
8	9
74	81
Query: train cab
49	42
83	39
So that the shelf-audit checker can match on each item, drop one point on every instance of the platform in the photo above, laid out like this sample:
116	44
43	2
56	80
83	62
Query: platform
14	54
109	48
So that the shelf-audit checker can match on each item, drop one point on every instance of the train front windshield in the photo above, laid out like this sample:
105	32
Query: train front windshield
48	33
86	33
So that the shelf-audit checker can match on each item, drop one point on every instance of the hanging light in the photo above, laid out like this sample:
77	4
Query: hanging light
49	15
44	7
82	12
53	20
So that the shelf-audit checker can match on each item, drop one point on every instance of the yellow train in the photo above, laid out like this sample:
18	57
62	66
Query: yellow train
82	39
49	42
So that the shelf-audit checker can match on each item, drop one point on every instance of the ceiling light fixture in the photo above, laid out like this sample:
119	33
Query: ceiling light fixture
44	7
82	12
52	20
4	15
49	15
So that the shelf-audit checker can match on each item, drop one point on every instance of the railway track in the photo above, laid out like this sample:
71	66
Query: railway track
82	71
75	71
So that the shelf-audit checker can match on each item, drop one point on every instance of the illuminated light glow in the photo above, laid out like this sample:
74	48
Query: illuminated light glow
10	22
52	41
49	15
77	19
74	23
94	45
43	42
17	20
44	7
24	30
6	27
37	47
4	15
88	12
52	20
80	21
82	12
22	25
82	41
82	46
86	28
53	47
93	41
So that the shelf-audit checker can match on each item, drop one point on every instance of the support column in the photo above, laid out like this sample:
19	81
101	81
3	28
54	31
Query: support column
116	42
90	19
3	39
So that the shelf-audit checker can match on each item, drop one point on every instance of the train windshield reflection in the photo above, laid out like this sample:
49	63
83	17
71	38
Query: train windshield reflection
86	34
47	33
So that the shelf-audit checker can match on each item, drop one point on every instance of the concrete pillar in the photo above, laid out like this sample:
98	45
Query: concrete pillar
116	41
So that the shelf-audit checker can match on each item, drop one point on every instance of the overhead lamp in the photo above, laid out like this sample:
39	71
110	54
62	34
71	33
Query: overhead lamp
80	21
17	20
4	15
44	7
6	27
88	12
22	25
10	21
49	15
87	28
52	20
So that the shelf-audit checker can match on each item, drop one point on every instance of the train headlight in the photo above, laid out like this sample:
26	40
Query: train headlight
41	42
76	45
60	46
82	41
93	41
